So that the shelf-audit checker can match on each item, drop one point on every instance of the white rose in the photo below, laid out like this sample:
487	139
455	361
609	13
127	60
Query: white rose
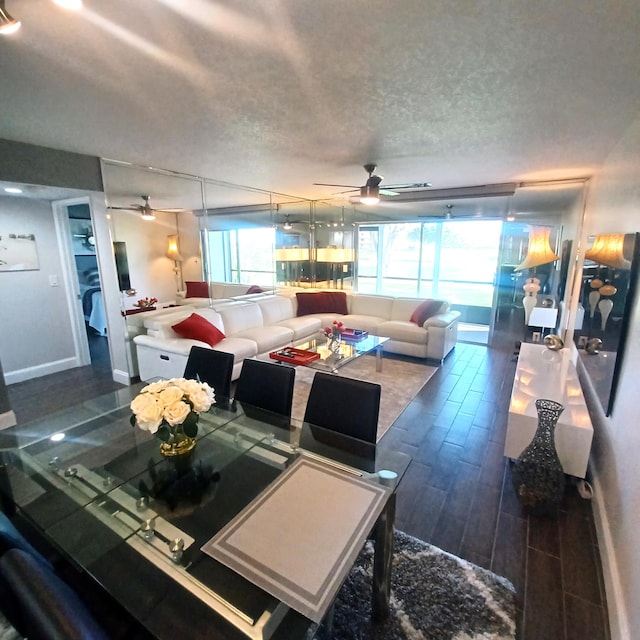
202	399
176	413
189	386
155	387
148	411
170	395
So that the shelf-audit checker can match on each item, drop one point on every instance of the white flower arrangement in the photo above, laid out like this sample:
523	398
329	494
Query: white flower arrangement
163	408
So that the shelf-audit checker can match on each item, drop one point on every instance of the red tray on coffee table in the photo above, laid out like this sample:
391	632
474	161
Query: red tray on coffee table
294	356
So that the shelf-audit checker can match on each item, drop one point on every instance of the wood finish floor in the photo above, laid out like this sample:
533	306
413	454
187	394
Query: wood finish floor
457	493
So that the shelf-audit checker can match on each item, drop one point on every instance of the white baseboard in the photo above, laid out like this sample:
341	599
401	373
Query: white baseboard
618	620
20	375
122	377
7	419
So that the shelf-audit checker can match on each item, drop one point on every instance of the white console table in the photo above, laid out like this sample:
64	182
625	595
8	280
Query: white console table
542	373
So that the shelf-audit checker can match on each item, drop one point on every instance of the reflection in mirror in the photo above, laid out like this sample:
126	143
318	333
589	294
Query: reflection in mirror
609	280
334	244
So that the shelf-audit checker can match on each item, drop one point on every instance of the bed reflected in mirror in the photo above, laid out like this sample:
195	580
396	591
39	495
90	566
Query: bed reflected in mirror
609	281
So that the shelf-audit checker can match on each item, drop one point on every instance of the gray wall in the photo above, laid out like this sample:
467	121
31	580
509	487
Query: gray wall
613	205
36	337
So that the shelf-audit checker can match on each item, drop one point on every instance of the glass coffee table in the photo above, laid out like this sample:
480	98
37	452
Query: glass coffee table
347	351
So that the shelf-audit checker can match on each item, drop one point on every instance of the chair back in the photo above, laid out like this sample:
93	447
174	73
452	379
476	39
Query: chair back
345	405
267	386
213	367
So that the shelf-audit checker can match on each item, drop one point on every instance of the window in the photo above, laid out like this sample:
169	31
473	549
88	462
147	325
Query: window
453	260
242	255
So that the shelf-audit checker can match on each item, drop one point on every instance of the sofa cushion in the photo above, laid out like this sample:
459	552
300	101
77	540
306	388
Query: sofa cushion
195	327
268	338
197	290
425	310
240	316
371	305
403	331
302	327
366	323
275	309
322	302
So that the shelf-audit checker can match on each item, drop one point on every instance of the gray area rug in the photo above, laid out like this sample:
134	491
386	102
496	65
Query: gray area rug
434	596
400	381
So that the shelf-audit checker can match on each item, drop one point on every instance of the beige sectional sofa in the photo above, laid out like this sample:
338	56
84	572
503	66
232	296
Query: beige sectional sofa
270	321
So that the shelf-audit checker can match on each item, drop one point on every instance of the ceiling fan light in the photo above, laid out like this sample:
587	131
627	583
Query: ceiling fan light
369	195
148	215
8	24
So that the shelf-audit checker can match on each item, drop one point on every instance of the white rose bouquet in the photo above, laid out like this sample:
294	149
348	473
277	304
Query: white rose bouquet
170	409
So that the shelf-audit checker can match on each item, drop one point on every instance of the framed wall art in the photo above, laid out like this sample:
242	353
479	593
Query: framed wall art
18	252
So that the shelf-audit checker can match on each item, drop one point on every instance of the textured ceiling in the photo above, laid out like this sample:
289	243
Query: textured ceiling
279	94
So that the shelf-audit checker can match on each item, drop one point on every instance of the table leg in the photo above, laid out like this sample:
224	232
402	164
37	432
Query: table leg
379	359
382	560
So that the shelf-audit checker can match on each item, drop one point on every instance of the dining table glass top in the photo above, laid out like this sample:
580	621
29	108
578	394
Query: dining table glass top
103	494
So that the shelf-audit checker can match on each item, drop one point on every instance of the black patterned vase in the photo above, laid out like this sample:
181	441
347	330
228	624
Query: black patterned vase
537	473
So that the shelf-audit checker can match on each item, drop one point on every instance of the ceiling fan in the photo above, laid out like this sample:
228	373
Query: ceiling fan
146	210
448	214
371	190
287	222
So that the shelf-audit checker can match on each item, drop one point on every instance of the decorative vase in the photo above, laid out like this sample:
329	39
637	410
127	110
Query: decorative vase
178	443
333	342
538	476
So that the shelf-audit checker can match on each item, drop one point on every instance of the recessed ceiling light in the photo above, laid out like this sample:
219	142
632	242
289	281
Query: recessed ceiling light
56	437
12	190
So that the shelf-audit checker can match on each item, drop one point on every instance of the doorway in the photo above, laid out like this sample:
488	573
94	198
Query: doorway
82	276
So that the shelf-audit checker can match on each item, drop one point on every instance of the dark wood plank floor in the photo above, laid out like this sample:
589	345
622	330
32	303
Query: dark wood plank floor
457	493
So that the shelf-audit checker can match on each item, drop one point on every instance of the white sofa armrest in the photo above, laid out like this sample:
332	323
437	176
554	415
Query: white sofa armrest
442	332
441	319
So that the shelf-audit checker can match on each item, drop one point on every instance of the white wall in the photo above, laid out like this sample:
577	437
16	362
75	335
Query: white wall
35	335
613	205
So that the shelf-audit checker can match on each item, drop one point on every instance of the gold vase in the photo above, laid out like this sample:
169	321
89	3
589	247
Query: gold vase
177	445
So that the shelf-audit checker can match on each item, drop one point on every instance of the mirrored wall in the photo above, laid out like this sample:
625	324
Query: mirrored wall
607	289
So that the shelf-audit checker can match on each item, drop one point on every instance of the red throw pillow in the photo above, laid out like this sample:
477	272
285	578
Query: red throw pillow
322	302
254	288
197	290
425	310
195	327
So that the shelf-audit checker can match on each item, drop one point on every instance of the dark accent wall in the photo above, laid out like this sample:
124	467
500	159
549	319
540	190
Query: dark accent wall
32	164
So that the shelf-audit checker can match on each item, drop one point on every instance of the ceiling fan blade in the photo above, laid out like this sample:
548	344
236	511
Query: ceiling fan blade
387	192
415	185
324	184
132	208
169	210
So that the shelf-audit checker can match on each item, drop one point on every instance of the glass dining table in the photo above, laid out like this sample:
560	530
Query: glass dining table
250	535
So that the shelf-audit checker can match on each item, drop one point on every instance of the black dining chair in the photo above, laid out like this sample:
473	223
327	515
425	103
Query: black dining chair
345	405
42	605
268	387
213	367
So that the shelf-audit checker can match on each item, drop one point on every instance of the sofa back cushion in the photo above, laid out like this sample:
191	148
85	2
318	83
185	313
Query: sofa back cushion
240	316
322	302
366	305
195	327
426	309
275	309
197	290
161	327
